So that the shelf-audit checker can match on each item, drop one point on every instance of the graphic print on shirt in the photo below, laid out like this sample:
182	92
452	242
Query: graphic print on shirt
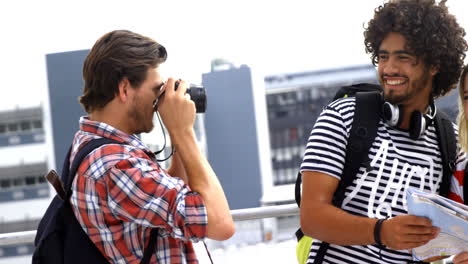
396	162
398	181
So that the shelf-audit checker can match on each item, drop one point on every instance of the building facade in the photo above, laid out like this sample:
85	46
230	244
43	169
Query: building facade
24	192
294	101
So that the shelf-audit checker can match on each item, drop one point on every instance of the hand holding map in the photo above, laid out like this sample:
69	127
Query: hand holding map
451	217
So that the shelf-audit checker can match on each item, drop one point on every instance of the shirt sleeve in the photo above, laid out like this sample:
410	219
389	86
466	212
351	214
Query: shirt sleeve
140	192
326	148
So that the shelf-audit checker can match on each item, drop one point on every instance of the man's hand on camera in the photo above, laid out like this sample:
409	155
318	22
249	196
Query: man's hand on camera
176	109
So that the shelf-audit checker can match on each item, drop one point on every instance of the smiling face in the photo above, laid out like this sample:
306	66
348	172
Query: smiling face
141	109
405	79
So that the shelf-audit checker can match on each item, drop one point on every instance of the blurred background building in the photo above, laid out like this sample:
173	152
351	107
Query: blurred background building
24	192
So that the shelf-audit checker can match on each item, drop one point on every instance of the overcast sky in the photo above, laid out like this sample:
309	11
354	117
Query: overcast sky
269	36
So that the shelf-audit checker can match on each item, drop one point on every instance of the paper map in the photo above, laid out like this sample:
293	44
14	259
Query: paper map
451	217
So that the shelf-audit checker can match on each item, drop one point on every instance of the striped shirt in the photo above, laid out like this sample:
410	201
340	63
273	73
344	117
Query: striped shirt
378	191
120	193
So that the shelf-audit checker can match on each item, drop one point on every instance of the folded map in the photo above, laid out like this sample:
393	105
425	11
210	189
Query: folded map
451	217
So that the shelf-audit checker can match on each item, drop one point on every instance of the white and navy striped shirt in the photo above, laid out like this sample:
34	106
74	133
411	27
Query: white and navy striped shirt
397	162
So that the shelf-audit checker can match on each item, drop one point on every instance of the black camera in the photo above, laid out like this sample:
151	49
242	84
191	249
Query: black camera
198	96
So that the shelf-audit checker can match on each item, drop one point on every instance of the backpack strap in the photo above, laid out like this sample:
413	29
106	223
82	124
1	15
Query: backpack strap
363	132
68	175
297	189
297	196
362	135
151	244
352	90
465	188
448	150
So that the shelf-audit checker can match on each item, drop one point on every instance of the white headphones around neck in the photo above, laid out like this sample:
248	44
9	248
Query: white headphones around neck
393	115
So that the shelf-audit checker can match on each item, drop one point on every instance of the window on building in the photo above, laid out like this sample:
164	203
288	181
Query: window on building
41	179
293	134
281	113
2	128
289	98
270	100
314	93
5	183
25	125
300	95
31	180
37	124
13	127
18	182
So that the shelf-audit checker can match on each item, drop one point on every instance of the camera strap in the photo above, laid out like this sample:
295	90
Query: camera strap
208	252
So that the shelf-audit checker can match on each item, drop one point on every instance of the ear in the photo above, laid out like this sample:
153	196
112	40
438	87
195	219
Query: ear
124	86
433	70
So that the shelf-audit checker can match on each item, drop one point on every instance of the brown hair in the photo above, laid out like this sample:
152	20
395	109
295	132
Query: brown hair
116	55
462	122
431	32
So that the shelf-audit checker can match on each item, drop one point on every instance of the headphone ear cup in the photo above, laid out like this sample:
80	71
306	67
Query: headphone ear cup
417	125
387	112
393	115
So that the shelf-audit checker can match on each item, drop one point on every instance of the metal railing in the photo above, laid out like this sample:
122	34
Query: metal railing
264	212
16	238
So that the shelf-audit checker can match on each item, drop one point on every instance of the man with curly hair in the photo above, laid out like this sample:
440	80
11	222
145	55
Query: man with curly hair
418	48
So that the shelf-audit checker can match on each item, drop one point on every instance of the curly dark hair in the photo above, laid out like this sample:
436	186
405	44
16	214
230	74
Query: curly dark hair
431	33
117	54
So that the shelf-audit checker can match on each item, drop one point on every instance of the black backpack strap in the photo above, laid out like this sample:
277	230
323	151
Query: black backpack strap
297	197
351	90
465	188
448	150
151	245
68	173
362	135
297	189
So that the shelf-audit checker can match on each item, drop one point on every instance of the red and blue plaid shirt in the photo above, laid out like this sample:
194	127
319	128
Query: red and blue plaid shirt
120	193
458	183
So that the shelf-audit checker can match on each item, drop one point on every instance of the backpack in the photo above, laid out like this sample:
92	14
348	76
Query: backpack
60	238
362	134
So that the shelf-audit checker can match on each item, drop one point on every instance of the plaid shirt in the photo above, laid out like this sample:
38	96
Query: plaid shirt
458	183
120	193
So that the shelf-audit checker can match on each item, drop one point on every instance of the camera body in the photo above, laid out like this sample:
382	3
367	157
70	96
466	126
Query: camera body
197	95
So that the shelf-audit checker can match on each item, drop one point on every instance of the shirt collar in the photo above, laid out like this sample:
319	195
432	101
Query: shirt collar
104	130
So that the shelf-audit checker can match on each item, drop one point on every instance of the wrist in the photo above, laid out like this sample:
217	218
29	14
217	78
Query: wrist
378	232
182	137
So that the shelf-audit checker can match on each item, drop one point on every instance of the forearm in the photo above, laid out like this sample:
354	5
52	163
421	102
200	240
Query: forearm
204	181
321	220
177	169
333	225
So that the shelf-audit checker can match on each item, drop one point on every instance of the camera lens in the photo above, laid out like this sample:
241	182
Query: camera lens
198	96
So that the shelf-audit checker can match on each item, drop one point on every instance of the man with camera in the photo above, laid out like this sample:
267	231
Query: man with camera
120	193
